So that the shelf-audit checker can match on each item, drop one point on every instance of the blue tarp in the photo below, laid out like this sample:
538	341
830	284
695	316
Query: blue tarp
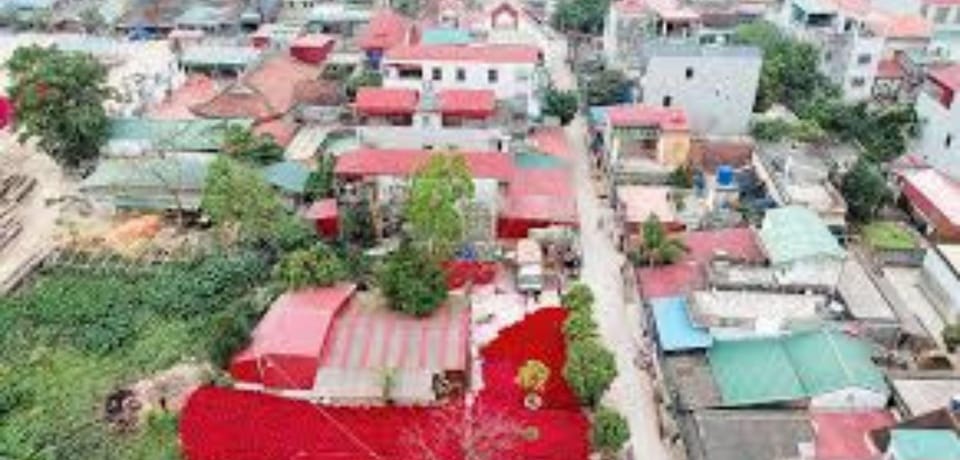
674	328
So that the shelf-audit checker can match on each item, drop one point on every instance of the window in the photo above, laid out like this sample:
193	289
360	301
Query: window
940	14
667	101
857	82
437	74
410	72
925	11
461	74
492	76
689	73
864	59
948	141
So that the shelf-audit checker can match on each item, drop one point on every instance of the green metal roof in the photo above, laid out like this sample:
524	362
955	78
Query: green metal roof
289	176
195	135
794	233
446	36
536	160
779	369
338	12
911	444
754	372
151	182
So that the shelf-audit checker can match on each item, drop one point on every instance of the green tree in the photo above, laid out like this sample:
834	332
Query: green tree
590	369
356	224
236	196
583	16
412	282
560	104
321	182
433	210
865	190
681	177
59	99
319	265
608	87
92	20
362	79
410	8
242	143
657	246
578	298
579	325
609	431
951	336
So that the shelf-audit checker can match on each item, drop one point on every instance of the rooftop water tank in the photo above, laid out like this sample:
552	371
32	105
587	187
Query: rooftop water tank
725	176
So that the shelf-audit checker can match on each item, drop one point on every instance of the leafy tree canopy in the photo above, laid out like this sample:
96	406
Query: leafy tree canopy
236	196
583	16
560	104
319	265
363	79
607	87
609	431
590	369
322	180
434	207
657	246
242	143
59	100
865	190
412	282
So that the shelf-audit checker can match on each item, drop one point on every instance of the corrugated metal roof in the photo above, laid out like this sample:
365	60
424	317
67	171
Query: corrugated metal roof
446	36
794	233
173	182
193	135
289	176
674	329
915	444
219	56
794	367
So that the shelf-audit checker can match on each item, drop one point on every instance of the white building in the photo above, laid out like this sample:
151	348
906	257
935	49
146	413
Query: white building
715	85
939	113
941	279
853	39
513	72
801	248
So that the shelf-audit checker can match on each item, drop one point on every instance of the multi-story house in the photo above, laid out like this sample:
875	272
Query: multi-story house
513	72
853	39
715	85
641	142
938	109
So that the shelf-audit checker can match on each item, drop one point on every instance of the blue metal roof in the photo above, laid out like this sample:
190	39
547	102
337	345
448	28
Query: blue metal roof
674	329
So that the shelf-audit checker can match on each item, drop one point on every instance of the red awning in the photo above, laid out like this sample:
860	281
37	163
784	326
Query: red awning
386	101
471	103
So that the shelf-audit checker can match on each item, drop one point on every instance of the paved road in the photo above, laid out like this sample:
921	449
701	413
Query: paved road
620	326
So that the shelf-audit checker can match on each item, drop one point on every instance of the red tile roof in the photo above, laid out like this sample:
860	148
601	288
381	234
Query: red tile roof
499	53
386	101
844	435
948	76
631	6
475	103
397	162
281	130
904	26
689	273
385	30
666	118
266	92
196	89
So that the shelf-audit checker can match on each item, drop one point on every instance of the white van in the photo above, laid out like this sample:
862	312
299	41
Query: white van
529	266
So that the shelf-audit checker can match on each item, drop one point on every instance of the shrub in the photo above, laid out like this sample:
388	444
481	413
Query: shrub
412	282
609	431
579	325
951	336
560	104
316	266
590	369
579	297
533	376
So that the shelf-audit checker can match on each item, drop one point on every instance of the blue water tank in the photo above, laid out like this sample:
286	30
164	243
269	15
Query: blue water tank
725	176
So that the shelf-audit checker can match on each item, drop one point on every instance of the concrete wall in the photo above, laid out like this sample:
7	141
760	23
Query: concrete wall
716	90
942	282
820	271
403	137
850	398
936	123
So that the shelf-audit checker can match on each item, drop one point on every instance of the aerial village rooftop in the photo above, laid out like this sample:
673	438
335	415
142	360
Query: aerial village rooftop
510	229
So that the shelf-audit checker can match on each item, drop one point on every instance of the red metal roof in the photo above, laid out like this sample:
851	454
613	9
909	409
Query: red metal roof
285	346
551	140
543	195
365	338
904	26
498	53
948	76
386	29
386	101
934	194
666	118
196	89
397	162
688	274
281	130
321	209
476	103
889	69
844	435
